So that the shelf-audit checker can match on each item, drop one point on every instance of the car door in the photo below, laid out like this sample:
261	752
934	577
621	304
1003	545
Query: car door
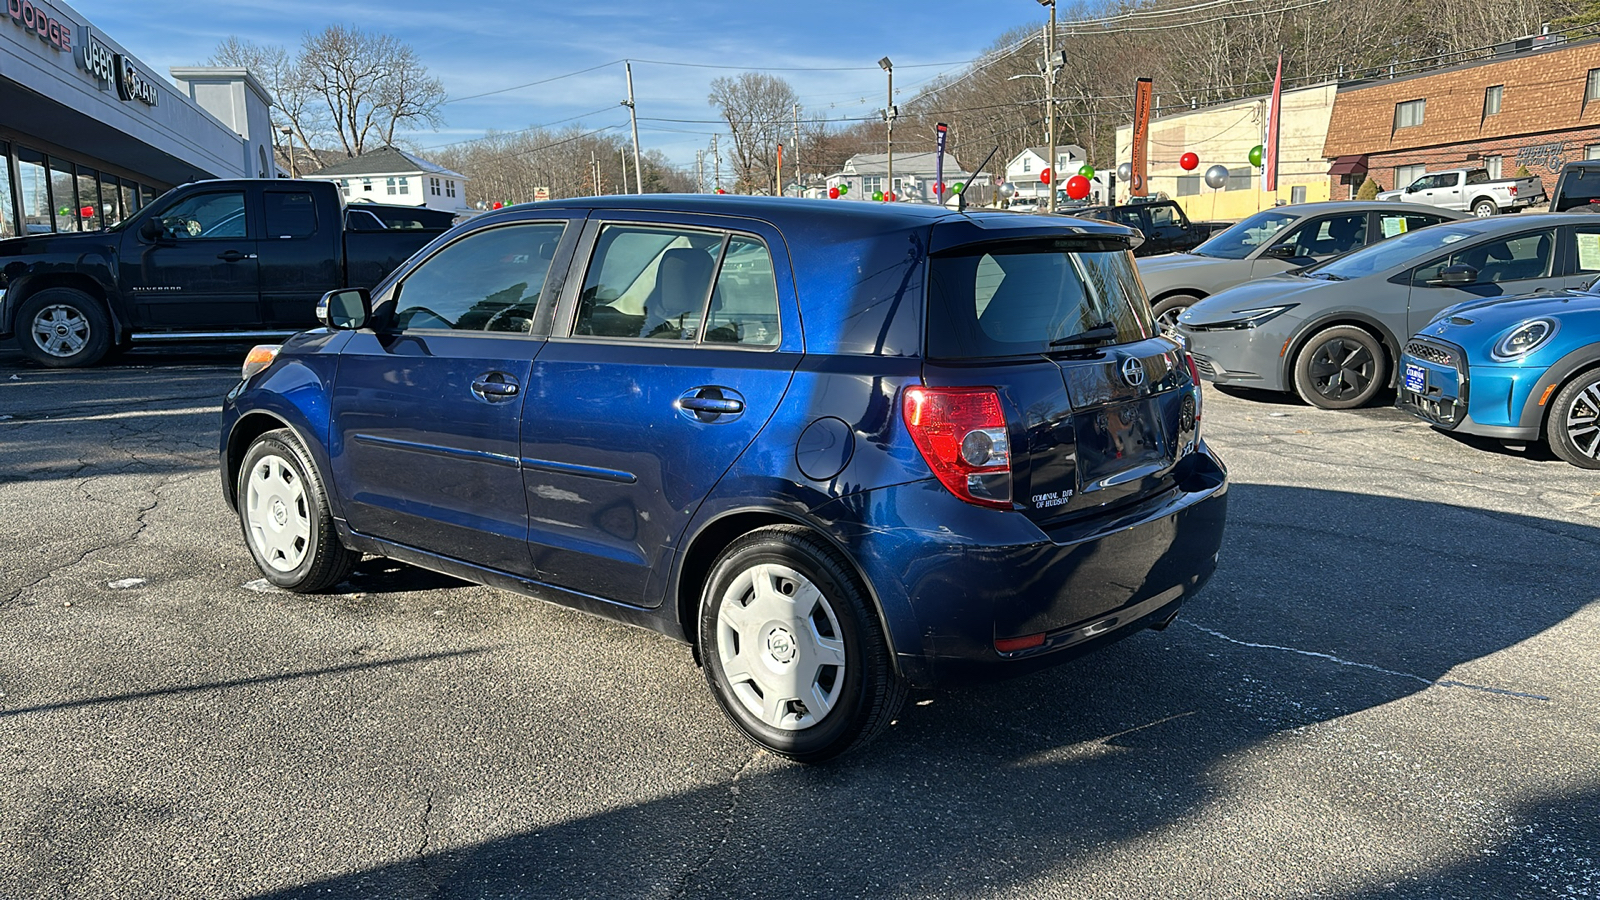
201	272
1506	265
670	354
426	409
1164	227
299	256
1320	239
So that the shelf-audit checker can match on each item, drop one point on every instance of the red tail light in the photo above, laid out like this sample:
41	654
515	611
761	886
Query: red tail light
961	433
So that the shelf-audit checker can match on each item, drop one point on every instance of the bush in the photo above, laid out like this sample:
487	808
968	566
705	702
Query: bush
1369	190
1522	172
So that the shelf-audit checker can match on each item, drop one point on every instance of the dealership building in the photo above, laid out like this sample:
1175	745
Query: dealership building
89	133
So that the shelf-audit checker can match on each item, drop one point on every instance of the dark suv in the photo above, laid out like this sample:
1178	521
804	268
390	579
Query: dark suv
839	449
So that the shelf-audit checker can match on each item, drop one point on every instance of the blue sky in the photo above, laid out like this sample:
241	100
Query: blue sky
480	47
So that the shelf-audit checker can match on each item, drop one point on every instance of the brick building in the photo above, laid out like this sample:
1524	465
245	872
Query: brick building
1539	108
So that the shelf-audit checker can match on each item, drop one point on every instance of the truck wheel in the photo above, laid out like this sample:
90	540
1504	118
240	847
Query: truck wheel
1574	428
1170	308
1483	209
1341	367
63	328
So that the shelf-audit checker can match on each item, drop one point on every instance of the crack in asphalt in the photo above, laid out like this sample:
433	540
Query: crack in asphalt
1448	683
727	829
421	853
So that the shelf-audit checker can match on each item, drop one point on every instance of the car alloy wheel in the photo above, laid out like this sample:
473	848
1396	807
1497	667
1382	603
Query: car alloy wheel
1340	368
1168	311
63	327
60	330
1574	430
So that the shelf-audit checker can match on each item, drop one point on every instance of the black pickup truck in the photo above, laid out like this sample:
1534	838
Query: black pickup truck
1165	226
225	260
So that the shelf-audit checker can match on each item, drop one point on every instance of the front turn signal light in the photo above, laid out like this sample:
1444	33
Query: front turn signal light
259	357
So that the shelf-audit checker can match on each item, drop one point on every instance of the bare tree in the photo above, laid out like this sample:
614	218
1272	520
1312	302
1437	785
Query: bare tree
758	109
372	84
295	105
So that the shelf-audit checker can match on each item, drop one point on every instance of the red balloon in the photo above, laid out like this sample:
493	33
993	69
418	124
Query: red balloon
1077	187
86	212
721	191
1189	161
498	205
1044	176
833	193
889	197
938	187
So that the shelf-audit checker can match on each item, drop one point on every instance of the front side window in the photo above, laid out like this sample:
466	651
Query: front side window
488	281
1238	241
1018	300
205	216
1509	259
1322	238
1409	113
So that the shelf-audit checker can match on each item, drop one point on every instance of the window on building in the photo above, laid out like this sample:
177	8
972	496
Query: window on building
1409	113
449	188
63	195
1592	151
1491	164
8	218
1027	164
1404	176
390	187
1491	100
91	215
1591	90
1188	185
34	184
366	185
405	185
1239	178
433	186
130	198
870	183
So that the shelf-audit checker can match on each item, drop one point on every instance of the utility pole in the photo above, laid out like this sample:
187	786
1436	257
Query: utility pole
1050	99
633	117
800	188
700	165
624	171
594	169
716	163
888	124
779	191
289	133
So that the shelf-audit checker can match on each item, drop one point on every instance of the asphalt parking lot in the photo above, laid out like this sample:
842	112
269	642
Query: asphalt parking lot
1390	689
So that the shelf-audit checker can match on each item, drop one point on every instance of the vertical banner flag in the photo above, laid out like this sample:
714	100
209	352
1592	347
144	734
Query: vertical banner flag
1269	177
1139	185
938	161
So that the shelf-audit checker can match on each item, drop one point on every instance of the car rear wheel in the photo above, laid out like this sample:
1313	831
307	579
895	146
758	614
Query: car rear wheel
1574	428
63	328
1170	308
283	508
792	649
1483	209
1340	368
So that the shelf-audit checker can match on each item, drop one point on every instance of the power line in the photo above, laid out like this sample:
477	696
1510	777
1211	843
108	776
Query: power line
532	83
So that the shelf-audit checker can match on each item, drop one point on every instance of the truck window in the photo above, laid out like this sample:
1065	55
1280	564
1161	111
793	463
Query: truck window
1161	216
205	216
1579	186
1478	176
290	214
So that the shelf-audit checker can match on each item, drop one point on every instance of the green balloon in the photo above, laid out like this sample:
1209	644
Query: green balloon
877	195
960	186
844	188
1086	170
1255	155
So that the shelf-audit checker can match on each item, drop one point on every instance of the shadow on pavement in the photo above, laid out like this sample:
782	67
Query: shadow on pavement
1346	602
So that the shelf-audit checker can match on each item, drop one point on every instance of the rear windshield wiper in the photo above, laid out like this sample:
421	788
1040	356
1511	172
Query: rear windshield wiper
1099	334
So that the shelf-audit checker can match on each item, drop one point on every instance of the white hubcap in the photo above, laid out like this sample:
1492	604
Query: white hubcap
780	646
275	512
60	330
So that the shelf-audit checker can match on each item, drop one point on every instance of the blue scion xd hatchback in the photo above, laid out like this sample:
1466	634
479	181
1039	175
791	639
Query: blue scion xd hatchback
840	449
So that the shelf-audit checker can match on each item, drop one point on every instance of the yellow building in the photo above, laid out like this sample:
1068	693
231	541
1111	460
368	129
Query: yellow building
1223	135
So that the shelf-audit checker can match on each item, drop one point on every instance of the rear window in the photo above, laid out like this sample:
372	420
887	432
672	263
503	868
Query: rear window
1016	300
1579	187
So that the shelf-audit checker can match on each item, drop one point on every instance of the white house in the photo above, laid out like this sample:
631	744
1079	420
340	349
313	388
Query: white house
1024	168
914	176
391	175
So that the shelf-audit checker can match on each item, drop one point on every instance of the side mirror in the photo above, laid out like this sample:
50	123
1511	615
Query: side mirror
345	310
1280	251
1456	276
151	230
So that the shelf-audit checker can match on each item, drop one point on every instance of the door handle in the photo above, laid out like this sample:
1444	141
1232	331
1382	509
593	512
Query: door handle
495	387
711	404
234	256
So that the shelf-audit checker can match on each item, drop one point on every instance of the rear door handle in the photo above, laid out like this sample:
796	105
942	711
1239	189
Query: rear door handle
711	404
495	387
234	256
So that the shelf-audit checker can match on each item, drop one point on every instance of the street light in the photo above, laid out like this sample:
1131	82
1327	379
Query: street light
888	123
288	132
1050	69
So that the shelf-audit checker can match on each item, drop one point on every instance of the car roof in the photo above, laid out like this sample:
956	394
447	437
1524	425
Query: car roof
1322	207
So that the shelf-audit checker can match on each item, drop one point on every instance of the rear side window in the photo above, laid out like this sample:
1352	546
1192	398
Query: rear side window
1015	301
1391	224
289	214
744	306
487	281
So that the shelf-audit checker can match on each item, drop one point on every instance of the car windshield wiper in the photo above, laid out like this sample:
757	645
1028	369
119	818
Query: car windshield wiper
1099	334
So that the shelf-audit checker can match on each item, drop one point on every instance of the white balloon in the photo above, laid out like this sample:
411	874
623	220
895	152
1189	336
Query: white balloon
1125	171
1217	176
1007	190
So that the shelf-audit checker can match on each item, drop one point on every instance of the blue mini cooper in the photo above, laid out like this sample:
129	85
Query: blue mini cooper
1523	369
839	449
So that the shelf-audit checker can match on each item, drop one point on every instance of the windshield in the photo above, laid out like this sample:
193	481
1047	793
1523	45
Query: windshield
1241	239
1013	301
1385	255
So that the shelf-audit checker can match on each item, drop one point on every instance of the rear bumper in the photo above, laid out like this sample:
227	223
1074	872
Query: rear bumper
973	576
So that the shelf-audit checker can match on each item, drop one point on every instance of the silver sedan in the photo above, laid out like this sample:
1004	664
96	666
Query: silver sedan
1329	333
1274	241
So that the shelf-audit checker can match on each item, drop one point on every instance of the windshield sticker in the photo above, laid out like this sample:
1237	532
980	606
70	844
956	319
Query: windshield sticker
1589	252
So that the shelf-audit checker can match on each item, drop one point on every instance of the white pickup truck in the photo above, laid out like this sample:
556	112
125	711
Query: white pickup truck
1471	190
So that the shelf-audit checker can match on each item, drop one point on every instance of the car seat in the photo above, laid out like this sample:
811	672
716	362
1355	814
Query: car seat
1499	264
673	309
1344	234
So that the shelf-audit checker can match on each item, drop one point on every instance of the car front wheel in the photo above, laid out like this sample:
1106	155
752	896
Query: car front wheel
1170	308
1574	428
792	649
63	328
1340	368
283	508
